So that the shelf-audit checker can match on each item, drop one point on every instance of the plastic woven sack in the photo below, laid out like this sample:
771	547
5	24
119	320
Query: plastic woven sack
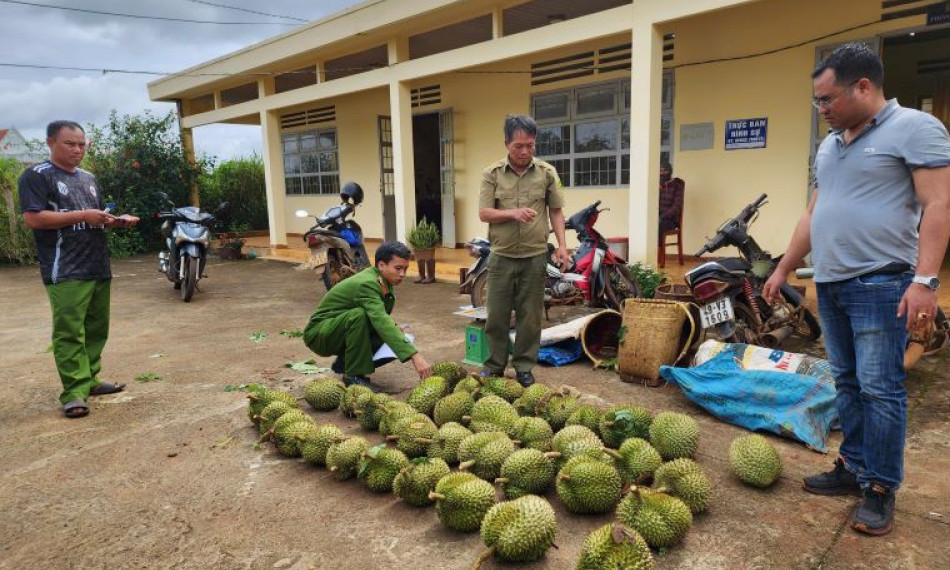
564	352
792	405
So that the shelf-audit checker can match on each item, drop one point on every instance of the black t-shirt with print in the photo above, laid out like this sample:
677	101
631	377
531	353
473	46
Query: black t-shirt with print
74	252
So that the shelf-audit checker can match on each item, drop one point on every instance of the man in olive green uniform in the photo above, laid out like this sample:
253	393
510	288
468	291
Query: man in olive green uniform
353	321
518	196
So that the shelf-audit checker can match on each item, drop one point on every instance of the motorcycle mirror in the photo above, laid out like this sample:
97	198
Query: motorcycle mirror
301	214
163	196
222	205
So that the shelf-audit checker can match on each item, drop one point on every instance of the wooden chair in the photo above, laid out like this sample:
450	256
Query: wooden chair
678	232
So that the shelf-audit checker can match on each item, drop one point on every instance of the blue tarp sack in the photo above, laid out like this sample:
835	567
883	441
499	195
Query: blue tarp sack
789	404
564	352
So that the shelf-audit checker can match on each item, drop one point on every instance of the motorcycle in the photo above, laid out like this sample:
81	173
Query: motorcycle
596	277
729	291
187	231
336	243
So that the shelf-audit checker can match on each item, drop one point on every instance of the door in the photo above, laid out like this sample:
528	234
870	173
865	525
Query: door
447	177
387	177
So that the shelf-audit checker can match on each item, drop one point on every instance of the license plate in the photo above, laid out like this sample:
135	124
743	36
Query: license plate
318	258
718	311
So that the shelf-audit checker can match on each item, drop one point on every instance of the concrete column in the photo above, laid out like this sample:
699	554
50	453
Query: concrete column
217	99
320	68
274	179
404	171
265	87
188	149
397	50
497	22
645	100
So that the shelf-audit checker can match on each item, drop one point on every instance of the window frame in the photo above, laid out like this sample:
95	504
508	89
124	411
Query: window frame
296	183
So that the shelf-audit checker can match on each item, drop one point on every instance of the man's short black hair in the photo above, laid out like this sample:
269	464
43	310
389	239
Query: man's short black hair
522	123
666	166
852	62
53	128
390	249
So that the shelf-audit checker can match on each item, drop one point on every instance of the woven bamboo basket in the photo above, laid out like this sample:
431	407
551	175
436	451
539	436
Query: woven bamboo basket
652	338
600	336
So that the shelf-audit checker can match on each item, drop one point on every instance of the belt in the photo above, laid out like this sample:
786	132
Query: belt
892	268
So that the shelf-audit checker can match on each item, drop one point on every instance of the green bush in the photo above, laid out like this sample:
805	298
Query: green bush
16	240
240	183
647	278
425	235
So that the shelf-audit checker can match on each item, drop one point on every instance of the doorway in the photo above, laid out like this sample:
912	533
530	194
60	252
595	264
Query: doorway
425	152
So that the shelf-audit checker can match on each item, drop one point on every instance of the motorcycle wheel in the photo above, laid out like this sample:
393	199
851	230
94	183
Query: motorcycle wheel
191	278
809	329
362	258
333	272
621	284
745	325
479	292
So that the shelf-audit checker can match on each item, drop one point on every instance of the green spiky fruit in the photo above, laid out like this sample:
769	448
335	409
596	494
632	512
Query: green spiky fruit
556	407
586	415
483	453
527	404
674	435
415	481
507	389
451	371
754	460
623	422
368	409
348	401
259	399
453	408
573	441
588	486
413	434
637	461
271	412
288	437
285	419
392	412
461	501
445	444
492	413
615	546
684	478
426	393
533	432
572	433
324	394
521	530
661	519
313	449
379	466
470	385
527	472
343	458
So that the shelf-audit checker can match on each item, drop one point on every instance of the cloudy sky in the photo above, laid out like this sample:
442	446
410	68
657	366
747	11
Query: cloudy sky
37	36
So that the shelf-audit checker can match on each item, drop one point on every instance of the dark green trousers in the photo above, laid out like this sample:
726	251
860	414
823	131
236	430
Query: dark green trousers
514	284
80	329
349	334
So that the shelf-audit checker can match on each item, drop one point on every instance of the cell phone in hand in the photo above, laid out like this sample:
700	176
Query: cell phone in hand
109	207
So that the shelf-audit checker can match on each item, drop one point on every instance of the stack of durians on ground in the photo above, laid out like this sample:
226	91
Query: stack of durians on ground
526	442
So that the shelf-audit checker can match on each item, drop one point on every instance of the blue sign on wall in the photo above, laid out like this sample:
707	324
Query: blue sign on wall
746	133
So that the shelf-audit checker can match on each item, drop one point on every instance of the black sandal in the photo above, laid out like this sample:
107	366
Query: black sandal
76	409
103	388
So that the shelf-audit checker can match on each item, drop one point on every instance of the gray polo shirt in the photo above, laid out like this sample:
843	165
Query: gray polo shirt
867	211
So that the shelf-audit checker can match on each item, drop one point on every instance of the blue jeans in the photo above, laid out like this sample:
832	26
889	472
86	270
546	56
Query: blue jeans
865	342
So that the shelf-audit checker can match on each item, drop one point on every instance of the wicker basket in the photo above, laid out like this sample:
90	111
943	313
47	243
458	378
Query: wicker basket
652	338
600	336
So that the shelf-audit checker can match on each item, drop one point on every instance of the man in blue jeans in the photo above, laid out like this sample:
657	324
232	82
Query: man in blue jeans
882	172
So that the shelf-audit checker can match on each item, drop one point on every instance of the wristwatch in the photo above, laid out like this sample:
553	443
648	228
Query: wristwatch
930	281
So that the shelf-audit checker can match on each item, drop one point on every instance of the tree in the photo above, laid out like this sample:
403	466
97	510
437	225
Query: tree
16	240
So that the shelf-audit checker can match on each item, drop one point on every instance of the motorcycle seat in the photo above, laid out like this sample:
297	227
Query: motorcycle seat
735	265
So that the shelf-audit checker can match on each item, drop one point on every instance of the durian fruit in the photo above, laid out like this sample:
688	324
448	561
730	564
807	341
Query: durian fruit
507	389
461	501
469	384
617	547
674	435
588	486
637	461
259	399
492	413
368	409
572	433
348	401
661	519
379	466
324	394
623	422
453	408
587	415
521	530
270	413
392	412
533	432
314	448
528	402
527	472
483	453
556	407
287	437
343	458
426	393
573	441
415	481
286	418
684	478
451	371
445	444
754	460
413	434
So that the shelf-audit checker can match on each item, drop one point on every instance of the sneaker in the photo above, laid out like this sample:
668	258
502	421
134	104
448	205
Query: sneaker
360	381
875	513
337	365
838	481
525	378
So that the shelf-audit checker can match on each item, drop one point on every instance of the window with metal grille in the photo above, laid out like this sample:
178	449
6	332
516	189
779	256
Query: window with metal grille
311	162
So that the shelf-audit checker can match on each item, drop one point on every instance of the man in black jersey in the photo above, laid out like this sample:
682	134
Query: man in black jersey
64	207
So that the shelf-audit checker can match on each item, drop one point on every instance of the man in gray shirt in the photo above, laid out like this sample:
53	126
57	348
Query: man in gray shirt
883	171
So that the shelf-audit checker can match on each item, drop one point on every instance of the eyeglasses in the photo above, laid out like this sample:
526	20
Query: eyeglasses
828	100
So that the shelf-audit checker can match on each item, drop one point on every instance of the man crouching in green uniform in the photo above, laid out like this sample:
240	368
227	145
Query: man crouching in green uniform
353	321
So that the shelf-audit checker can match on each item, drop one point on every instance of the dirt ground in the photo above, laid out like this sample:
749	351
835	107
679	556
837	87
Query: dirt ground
166	474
